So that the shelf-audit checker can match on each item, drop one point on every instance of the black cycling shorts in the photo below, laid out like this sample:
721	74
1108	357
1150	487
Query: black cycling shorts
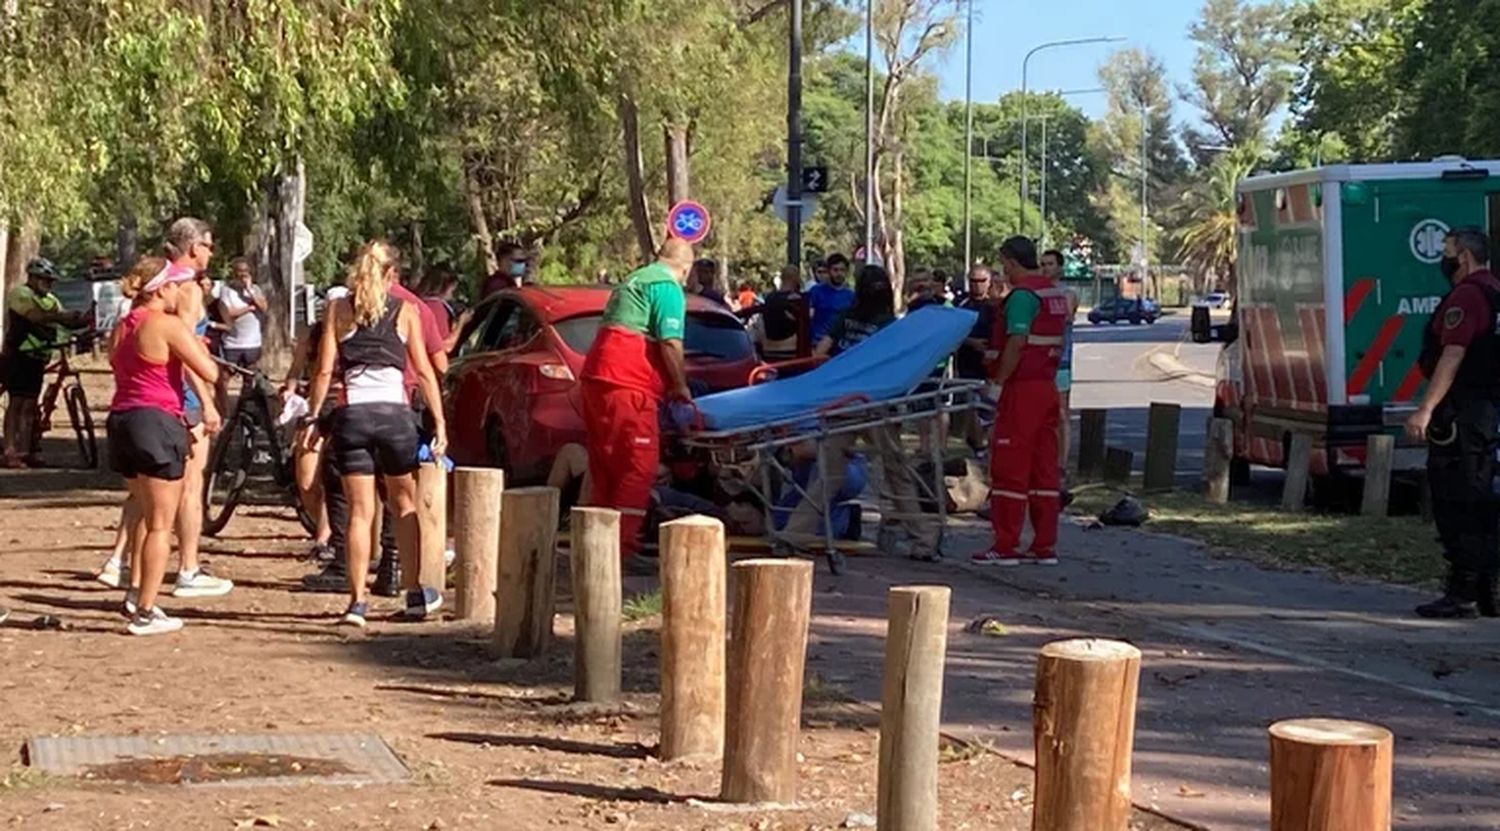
374	438
147	442
24	376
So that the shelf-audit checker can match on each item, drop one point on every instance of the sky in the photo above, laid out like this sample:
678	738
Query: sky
1159	25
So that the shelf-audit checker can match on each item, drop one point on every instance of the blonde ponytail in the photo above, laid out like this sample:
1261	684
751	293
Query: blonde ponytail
370	282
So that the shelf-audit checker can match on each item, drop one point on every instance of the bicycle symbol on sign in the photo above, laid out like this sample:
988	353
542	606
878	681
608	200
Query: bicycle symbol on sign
688	221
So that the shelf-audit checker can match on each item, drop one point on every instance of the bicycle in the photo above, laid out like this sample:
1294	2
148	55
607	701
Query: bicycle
251	448
67	384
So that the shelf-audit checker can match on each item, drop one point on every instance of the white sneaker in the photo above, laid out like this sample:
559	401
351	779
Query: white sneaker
154	622
113	574
201	584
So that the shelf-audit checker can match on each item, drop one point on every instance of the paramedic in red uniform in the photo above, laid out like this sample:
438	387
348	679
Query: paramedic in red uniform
1026	347
1461	359
635	361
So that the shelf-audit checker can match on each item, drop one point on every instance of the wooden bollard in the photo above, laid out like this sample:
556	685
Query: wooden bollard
767	655
432	524
1330	775
476	540
1162	425
1380	459
693	562
1298	469
596	604
911	705
525	582
1218	453
1091	444
1084	720
1117	464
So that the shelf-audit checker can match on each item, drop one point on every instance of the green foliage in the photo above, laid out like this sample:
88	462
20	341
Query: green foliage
1352	85
1242	74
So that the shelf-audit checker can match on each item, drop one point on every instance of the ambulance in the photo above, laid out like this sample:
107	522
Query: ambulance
1336	278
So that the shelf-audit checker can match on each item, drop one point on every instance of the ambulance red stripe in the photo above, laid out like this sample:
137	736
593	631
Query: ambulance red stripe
1410	384
1355	297
1311	320
1365	369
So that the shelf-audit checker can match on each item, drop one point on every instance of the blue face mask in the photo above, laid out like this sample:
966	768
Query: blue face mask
518	269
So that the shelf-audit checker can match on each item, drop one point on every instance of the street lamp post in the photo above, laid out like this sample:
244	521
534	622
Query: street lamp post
1145	213
869	130
969	139
1025	179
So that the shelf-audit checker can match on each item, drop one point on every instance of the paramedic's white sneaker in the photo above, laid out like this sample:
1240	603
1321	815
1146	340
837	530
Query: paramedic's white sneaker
992	557
199	583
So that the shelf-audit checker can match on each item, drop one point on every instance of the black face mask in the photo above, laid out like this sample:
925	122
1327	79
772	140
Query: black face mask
1449	266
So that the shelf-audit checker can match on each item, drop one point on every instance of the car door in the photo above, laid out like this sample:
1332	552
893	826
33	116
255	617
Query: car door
510	412
473	373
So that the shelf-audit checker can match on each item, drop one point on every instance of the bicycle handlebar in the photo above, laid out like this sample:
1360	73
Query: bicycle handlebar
82	337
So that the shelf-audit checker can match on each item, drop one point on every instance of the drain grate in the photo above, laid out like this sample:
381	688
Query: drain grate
245	761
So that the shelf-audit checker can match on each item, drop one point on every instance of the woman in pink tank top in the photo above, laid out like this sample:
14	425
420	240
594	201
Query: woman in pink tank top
148	442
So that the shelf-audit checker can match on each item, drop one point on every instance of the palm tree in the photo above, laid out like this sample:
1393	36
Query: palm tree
1209	238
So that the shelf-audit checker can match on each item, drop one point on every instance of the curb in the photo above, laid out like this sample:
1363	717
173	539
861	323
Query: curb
1176	370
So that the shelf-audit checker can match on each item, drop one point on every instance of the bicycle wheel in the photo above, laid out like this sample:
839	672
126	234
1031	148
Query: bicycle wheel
83	425
229	460
282	471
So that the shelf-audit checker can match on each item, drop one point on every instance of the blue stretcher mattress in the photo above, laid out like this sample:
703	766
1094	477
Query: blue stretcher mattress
888	365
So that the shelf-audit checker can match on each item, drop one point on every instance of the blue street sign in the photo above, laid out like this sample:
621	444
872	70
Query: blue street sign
688	221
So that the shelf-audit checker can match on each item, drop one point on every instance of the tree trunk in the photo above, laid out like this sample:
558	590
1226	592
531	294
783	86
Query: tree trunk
23	247
482	236
418	256
677	163
260	243
4	249
279	291
127	241
640	216
895	238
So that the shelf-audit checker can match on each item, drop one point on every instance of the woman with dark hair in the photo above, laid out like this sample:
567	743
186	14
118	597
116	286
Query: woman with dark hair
873	309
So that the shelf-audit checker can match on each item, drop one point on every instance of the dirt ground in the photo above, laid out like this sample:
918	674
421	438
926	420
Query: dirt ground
489	744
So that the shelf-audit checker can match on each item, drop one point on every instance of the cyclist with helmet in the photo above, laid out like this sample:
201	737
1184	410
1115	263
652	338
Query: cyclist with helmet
34	320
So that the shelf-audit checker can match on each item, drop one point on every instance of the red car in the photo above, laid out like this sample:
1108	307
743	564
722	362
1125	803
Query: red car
512	392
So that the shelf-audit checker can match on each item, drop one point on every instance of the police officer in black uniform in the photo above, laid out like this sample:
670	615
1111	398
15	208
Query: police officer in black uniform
1457	416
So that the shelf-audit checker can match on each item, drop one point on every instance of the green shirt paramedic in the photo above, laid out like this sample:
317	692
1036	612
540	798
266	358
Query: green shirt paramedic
648	308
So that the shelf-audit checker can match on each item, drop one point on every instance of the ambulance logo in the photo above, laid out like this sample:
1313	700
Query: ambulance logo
1427	240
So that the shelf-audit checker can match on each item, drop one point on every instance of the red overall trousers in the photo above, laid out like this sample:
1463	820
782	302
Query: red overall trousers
1024	470
624	447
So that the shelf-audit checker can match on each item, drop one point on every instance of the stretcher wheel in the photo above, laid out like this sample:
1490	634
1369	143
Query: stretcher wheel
836	561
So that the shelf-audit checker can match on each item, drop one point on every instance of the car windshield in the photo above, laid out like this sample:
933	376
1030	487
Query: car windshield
707	336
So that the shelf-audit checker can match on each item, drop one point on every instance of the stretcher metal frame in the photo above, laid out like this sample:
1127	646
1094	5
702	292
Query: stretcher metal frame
761	442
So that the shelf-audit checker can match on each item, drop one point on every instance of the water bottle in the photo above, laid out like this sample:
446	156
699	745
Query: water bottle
424	456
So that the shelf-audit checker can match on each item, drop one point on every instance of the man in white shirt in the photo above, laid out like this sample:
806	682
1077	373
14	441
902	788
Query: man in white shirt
242	306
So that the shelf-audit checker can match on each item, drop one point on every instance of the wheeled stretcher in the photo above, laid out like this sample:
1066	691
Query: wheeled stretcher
875	390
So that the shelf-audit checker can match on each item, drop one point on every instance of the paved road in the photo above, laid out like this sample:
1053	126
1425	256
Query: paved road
1112	370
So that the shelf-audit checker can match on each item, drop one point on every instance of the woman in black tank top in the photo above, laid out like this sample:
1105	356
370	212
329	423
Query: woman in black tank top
369	338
